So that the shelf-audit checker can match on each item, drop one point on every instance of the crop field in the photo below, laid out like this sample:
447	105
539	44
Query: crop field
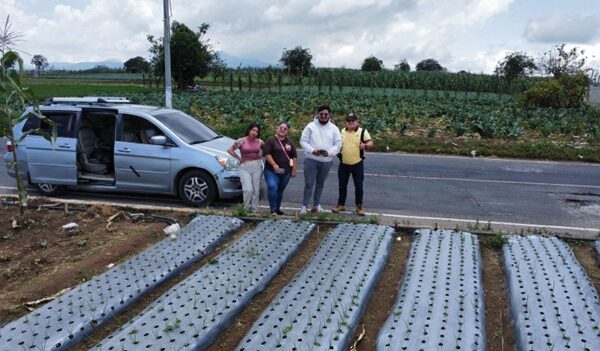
424	112
293	285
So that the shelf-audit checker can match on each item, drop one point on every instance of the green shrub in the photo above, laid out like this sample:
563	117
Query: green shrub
565	91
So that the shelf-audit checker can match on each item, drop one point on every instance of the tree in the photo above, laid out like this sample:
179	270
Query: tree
430	65
217	67
40	62
297	60
136	64
515	65
14	98
191	54
559	61
403	66
372	64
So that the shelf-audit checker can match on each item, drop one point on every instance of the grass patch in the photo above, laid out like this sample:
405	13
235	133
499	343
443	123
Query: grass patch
526	149
45	88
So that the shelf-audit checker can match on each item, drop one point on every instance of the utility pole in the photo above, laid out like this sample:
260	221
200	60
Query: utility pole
167	49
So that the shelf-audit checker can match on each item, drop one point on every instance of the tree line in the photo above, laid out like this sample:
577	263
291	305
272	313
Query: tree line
192	56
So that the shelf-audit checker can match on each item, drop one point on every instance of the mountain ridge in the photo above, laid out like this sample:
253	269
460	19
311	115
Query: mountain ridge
230	61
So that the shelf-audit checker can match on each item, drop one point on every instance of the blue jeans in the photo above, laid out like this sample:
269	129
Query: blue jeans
276	184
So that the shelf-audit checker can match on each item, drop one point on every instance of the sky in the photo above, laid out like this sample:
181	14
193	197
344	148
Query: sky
470	35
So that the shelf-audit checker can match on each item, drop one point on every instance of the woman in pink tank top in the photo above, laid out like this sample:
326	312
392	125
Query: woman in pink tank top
251	166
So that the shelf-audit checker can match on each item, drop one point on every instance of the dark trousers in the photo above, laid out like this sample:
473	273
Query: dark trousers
358	175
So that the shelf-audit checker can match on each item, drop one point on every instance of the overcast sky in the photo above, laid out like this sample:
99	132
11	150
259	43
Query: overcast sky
470	35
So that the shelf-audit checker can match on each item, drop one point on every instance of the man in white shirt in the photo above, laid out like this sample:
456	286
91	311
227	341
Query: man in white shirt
320	140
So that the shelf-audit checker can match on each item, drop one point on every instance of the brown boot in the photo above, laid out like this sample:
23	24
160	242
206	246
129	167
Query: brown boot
338	209
359	210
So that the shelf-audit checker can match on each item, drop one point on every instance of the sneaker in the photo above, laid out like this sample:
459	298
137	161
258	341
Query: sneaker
279	212
338	209
359	210
317	208
303	210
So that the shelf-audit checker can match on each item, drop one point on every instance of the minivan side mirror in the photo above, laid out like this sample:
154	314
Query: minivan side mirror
159	140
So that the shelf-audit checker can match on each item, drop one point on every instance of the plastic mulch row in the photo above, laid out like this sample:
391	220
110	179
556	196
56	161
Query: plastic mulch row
191	315
321	307
440	304
553	304
67	320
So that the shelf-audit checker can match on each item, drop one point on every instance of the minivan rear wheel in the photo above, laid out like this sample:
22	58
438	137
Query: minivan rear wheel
50	189
197	188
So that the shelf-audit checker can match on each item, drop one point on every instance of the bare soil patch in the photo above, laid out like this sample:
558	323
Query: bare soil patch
39	259
587	257
380	304
498	332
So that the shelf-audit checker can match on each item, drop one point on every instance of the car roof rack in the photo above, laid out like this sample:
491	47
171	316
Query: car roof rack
90	100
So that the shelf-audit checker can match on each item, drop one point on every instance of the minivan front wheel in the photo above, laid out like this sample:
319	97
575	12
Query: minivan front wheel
197	188
50	189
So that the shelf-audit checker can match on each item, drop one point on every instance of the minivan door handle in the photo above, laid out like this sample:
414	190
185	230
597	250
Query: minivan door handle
65	146
126	149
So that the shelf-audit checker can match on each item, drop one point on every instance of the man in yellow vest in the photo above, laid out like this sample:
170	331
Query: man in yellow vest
355	141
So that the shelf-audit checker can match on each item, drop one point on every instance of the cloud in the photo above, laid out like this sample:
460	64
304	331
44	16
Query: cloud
328	8
337	32
90	33
560	28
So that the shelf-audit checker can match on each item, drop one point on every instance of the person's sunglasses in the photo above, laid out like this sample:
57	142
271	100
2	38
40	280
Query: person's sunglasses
283	128
324	114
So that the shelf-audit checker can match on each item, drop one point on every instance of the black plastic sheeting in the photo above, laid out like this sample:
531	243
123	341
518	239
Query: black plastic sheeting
320	309
67	320
194	312
440	304
553	304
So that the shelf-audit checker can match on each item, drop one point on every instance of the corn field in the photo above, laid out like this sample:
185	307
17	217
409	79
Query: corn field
341	79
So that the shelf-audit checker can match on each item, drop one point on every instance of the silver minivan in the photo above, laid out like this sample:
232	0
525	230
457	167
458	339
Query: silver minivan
109	144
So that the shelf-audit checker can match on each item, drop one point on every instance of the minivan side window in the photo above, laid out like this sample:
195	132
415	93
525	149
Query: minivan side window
63	120
138	130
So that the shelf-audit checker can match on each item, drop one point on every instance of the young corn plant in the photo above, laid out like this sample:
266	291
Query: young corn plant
14	100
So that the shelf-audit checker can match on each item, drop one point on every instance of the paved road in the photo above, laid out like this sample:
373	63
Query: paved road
424	189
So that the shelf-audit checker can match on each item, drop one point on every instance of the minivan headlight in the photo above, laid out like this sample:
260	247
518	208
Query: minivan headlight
229	163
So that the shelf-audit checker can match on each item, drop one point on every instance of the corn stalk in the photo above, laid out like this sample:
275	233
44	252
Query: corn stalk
14	99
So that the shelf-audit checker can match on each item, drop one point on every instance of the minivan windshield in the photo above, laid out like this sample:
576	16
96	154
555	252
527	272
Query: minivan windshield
186	127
